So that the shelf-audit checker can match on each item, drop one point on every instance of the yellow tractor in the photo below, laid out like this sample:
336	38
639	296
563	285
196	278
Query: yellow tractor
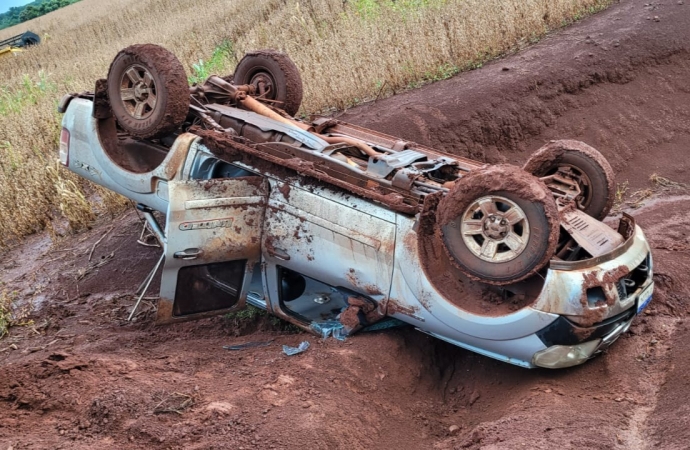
15	44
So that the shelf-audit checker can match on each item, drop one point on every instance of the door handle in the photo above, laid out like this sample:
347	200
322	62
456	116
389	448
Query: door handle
278	253
190	253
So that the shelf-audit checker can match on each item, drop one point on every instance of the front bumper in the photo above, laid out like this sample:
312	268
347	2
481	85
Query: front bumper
560	355
596	304
586	295
591	291
569	344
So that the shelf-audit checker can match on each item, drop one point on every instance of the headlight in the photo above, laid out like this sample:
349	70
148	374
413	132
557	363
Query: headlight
558	356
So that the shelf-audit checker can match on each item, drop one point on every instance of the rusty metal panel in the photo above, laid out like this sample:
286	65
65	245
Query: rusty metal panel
565	291
211	221
594	236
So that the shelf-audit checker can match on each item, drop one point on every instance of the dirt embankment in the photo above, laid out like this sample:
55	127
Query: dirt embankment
81	377
616	81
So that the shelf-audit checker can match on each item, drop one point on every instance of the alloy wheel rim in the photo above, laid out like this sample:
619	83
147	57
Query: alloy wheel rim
495	229
138	92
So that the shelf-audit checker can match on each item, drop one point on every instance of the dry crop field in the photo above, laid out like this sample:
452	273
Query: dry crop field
348	51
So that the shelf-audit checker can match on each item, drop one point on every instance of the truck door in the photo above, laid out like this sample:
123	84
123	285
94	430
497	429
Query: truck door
334	238
213	235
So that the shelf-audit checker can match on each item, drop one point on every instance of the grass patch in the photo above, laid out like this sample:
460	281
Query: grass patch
248	314
347	52
372	9
10	314
251	315
221	58
27	93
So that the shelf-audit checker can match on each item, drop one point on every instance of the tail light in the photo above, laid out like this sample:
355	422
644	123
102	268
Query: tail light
64	147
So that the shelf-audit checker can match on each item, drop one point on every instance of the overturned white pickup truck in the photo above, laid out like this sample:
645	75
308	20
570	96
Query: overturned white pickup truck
334	227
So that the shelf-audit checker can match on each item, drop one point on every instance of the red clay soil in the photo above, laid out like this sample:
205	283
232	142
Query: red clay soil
82	377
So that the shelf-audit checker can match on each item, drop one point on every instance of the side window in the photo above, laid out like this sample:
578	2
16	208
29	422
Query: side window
225	170
206	167
208	287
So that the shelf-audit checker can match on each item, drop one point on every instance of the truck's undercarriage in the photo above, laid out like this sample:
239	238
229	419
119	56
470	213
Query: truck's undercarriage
566	186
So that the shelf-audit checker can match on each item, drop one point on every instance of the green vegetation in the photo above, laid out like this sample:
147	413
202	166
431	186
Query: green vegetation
371	9
12	100
19	14
250	314
222	56
253	315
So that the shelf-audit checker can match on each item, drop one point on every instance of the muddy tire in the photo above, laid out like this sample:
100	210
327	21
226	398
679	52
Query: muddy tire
274	76
499	224
594	173
148	91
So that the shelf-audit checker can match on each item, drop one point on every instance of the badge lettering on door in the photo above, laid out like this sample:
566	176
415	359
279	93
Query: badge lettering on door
206	224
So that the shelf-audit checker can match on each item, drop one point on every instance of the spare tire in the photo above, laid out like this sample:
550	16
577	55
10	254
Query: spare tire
274	76
578	160
148	91
499	224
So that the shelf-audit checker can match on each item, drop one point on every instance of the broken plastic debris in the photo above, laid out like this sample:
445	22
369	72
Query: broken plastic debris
330	328
303	346
247	345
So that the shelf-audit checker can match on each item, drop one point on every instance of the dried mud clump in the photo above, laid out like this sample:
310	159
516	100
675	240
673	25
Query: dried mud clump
469	295
497	179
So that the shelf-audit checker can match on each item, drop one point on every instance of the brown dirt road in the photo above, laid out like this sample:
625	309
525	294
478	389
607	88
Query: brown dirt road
81	377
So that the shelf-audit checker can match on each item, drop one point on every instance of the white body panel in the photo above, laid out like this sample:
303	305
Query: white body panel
337	239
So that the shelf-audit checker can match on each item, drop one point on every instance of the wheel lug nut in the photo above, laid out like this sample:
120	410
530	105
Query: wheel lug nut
493	219
503	222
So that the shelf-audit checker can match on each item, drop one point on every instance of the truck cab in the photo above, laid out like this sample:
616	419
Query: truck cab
234	235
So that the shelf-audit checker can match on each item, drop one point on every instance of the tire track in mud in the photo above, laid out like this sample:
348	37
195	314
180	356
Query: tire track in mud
636	436
657	412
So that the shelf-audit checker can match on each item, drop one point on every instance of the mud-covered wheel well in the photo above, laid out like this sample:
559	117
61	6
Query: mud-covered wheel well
455	287
134	155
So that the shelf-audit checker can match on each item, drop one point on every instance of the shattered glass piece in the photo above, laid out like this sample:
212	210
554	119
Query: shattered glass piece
330	328
303	346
